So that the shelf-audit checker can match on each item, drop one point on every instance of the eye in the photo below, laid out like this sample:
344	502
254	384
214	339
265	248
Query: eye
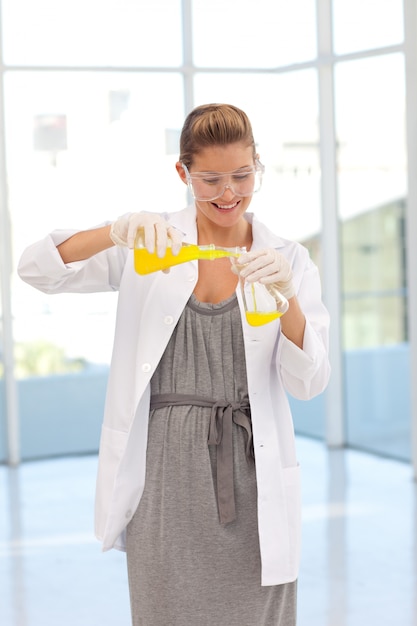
211	180
242	175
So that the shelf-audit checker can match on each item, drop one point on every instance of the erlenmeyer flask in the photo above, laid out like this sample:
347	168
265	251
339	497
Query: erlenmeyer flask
262	303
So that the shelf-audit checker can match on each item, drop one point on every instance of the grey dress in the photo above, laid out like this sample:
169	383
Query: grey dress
192	545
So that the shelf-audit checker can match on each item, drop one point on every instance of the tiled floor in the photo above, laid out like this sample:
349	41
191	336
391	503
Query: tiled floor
359	563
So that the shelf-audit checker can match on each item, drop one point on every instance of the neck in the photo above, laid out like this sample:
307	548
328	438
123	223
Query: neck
238	235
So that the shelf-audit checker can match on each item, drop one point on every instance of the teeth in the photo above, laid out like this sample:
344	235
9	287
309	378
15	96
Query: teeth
227	206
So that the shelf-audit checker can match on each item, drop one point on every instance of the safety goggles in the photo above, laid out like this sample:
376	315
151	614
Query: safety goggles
207	186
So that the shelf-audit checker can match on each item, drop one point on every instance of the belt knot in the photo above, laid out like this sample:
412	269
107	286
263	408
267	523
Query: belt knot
222	417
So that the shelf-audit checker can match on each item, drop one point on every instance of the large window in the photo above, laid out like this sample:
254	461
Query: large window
89	147
113	33
94	96
265	35
366	24
372	186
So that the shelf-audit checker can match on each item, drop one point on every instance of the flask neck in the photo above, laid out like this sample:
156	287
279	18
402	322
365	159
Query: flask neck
233	251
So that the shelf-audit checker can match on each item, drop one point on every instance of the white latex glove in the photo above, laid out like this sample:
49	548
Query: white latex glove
157	232
268	267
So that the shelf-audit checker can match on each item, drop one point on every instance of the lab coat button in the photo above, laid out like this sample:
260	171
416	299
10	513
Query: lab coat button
128	514
146	367
168	319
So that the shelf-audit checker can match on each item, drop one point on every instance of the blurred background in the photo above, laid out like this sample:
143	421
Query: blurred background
93	95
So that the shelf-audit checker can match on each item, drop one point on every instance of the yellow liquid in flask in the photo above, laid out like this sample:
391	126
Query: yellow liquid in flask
259	318
146	262
256	317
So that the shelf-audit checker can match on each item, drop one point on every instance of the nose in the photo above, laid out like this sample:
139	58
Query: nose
228	192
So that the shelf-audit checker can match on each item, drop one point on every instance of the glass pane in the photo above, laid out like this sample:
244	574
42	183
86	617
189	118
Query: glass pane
372	191
76	32
268	34
89	147
3	431
371	133
367	24
283	110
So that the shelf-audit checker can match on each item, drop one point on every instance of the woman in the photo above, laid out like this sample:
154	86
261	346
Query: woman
198	478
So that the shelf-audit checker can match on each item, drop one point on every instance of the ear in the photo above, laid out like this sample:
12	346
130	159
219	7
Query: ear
181	172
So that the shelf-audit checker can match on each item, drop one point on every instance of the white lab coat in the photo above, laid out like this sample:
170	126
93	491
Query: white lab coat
148	310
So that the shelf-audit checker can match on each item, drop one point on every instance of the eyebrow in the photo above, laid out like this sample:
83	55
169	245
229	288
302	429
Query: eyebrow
240	169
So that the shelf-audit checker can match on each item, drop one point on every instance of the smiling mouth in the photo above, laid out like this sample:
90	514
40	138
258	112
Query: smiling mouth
226	207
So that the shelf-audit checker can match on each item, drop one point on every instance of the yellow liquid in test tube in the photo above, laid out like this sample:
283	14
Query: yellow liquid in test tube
146	263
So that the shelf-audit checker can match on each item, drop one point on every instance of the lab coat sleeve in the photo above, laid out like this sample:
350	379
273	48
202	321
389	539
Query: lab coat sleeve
305	373
42	267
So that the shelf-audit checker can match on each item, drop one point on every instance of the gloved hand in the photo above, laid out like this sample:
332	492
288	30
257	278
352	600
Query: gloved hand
157	232
269	267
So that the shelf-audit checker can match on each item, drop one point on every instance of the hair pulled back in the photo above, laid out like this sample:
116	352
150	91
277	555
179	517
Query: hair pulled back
214	125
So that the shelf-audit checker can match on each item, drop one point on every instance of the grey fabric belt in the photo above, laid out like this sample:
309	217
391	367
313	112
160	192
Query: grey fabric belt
223	415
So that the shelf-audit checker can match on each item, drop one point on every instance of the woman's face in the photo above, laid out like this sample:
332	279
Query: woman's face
226	210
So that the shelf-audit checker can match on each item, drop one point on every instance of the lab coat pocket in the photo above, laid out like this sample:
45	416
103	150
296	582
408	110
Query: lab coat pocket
292	485
112	446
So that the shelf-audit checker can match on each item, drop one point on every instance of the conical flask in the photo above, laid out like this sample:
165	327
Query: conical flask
262	303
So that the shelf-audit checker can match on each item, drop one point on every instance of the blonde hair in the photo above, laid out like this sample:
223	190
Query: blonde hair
214	125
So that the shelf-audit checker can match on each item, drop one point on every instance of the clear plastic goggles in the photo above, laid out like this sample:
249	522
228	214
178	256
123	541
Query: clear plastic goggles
207	186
